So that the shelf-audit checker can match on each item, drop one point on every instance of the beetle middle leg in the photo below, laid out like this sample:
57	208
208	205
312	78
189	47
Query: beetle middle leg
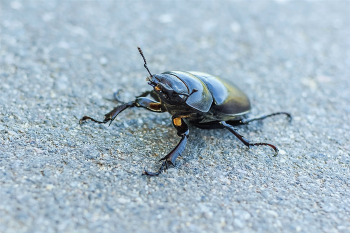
245	142
142	102
183	132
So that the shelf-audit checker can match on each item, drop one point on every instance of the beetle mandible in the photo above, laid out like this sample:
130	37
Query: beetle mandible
201	99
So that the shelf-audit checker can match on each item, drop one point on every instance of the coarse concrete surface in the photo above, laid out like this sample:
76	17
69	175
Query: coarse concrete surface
61	60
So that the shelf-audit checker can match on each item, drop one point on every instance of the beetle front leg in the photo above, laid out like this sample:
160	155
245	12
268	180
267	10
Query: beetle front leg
247	143
183	132
142	102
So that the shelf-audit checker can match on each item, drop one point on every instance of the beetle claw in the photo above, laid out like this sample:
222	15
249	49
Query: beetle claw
85	118
166	161
147	173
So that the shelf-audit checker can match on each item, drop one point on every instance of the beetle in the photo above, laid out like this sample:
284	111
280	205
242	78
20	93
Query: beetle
204	100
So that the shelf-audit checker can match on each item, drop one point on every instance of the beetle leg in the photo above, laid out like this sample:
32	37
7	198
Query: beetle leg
142	102
111	115
246	121
117	97
245	142
183	132
151	93
144	94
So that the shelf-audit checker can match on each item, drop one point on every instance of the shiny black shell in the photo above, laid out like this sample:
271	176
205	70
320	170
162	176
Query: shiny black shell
216	99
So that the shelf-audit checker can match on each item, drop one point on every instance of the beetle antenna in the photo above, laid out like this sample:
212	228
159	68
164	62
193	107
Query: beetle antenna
144	59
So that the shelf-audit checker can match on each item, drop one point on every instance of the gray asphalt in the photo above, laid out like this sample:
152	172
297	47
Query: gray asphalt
61	60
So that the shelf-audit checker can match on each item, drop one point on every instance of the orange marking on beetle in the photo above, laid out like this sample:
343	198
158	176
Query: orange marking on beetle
177	121
155	106
157	88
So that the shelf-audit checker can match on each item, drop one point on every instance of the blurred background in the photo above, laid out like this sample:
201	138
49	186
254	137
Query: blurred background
61	60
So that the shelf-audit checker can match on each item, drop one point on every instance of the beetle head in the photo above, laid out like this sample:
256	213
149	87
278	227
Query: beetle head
169	88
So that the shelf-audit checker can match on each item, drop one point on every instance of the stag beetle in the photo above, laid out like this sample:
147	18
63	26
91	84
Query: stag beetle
201	99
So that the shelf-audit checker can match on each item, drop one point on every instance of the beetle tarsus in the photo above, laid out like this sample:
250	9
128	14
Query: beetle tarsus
266	144
109	117
85	118
147	173
248	120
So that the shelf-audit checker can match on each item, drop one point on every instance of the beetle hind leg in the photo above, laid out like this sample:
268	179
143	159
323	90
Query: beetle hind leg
246	142
246	121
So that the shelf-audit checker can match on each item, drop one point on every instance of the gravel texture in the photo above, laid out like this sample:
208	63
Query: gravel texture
61	60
